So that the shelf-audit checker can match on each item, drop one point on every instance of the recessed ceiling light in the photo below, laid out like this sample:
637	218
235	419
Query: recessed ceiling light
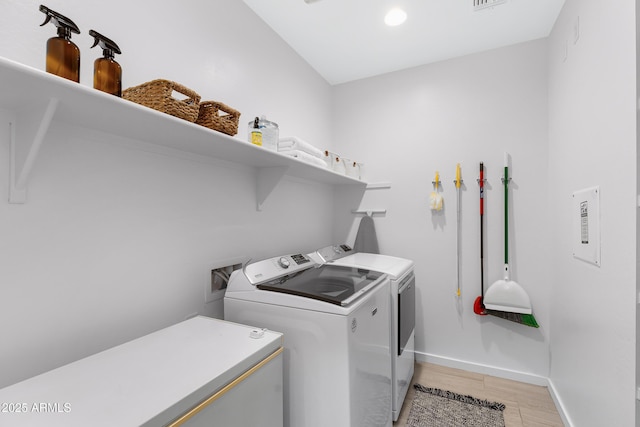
395	17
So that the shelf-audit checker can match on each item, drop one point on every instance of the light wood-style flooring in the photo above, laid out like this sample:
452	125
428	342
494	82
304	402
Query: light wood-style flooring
526	404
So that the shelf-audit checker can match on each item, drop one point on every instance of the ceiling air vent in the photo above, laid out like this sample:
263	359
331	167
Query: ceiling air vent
483	4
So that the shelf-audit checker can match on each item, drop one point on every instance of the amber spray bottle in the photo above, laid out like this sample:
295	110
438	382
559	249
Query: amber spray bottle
63	56
107	73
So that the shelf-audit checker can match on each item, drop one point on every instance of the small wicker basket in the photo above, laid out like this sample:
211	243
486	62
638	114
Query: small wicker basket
157	94
218	116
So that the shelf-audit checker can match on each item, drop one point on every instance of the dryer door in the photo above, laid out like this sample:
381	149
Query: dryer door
406	311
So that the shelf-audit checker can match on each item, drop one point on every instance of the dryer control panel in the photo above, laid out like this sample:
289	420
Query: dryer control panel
272	268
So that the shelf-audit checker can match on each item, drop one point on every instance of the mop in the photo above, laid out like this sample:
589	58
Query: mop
478	305
506	298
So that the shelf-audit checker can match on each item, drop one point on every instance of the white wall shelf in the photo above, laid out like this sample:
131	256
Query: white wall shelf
35	98
379	186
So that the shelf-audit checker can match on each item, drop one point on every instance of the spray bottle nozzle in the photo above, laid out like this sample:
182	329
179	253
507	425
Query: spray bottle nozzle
65	25
109	47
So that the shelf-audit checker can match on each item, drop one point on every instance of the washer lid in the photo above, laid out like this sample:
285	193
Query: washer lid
394	267
339	285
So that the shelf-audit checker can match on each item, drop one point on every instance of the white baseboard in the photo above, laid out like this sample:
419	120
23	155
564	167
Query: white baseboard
559	405
483	369
500	373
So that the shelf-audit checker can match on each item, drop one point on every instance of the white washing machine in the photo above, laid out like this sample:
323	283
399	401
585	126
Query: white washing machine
335	320
403	312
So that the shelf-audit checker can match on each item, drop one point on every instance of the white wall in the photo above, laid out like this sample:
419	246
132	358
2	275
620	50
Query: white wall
409	124
118	239
592	141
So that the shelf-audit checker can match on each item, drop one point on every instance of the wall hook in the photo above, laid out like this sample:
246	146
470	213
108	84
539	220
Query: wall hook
458	181
370	212
436	182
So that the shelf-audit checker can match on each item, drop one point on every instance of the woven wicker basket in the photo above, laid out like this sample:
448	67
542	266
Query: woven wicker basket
218	116
157	94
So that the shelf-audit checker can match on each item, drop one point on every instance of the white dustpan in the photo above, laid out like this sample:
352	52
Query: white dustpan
507	295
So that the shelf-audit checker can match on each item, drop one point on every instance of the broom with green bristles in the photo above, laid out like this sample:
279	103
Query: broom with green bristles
506	298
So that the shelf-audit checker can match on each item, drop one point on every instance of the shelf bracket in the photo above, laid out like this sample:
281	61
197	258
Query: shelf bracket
267	179
27	131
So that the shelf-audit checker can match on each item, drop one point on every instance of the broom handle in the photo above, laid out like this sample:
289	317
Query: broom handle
506	214
481	228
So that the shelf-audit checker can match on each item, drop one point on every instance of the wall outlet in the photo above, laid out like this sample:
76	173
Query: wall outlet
220	273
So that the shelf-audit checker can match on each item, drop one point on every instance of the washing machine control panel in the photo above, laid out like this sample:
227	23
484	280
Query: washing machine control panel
272	268
330	253
284	262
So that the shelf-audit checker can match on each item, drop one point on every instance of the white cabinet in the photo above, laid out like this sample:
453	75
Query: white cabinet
36	98
198	372
254	401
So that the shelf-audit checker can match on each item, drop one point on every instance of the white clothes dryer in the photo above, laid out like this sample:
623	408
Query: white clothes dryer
403	294
335	321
